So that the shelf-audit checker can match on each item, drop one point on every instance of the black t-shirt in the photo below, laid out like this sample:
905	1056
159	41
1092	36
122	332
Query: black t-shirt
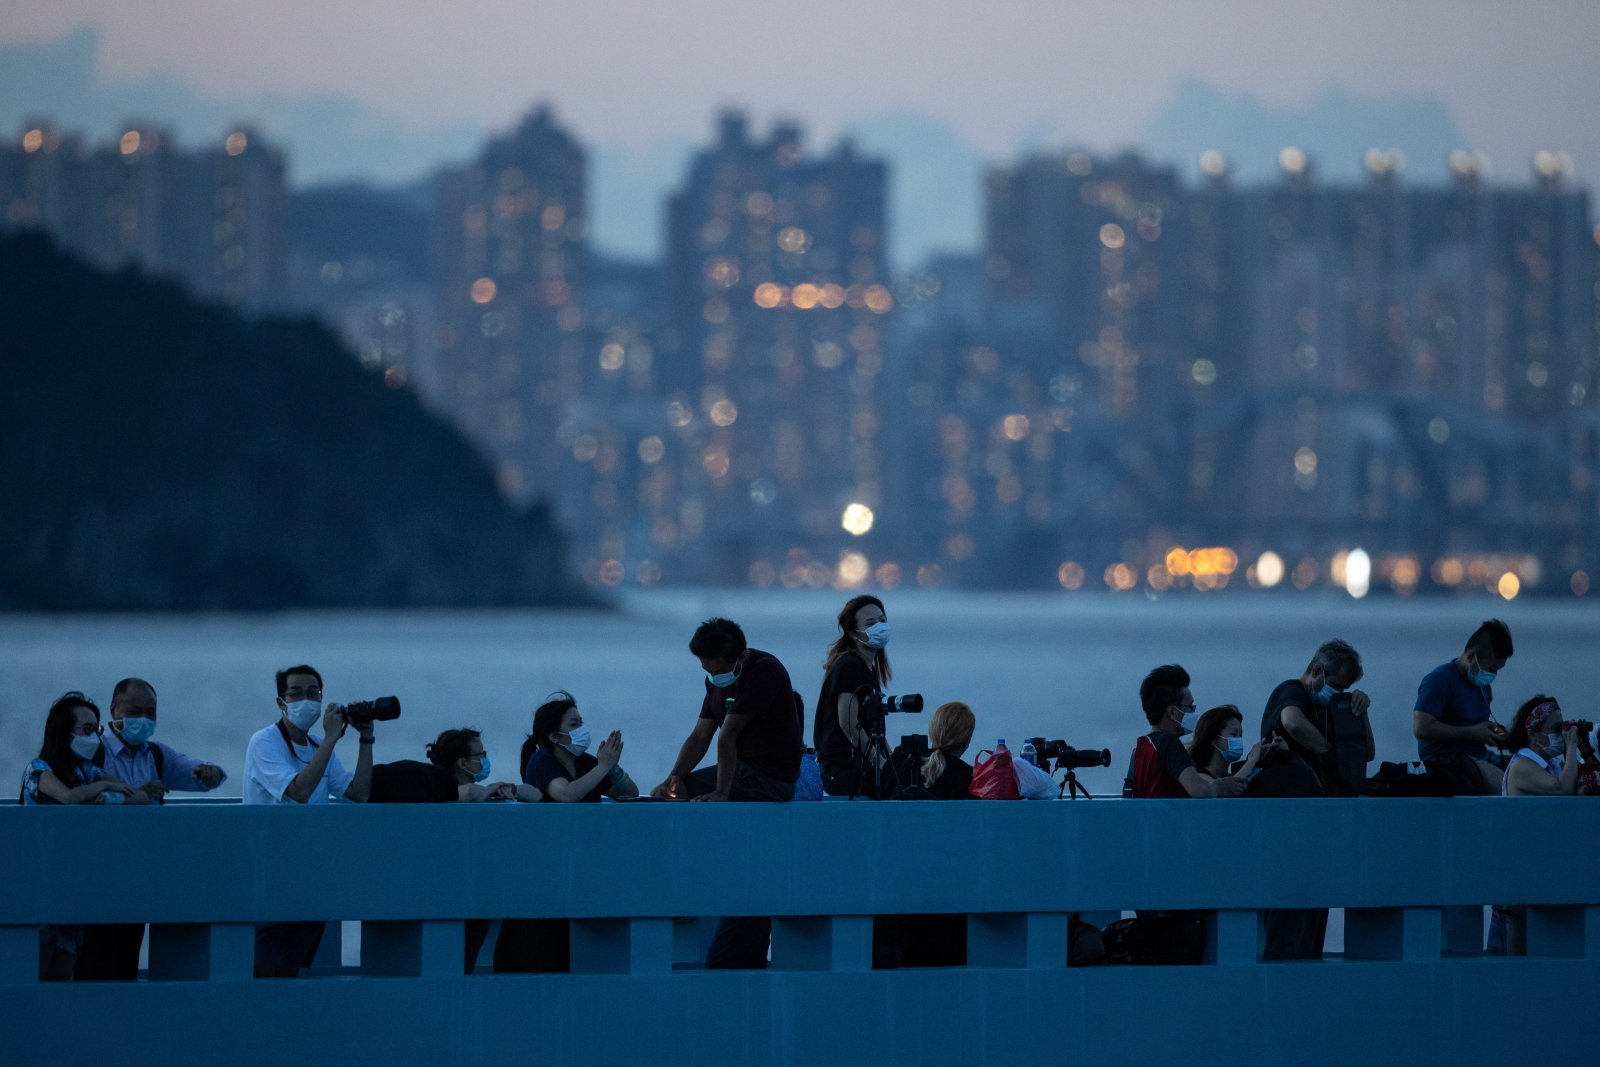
410	781
543	768
954	782
770	743
1293	694
848	676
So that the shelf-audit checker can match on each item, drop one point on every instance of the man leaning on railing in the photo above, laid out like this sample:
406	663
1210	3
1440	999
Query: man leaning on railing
287	764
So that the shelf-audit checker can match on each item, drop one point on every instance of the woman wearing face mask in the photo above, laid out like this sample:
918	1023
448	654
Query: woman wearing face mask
556	759
857	663
64	774
1545	764
1218	743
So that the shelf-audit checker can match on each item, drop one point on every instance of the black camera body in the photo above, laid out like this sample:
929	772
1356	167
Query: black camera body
359	713
875	705
1067	757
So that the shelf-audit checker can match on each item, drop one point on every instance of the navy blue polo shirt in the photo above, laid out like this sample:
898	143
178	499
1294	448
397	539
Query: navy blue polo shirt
1449	696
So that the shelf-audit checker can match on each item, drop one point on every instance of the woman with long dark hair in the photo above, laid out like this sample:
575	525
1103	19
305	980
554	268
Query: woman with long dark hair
857	664
64	773
556	759
1218	743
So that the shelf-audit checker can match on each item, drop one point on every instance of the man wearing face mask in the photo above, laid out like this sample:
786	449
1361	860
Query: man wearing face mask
1162	767
1297	711
127	753
751	711
287	764
1452	721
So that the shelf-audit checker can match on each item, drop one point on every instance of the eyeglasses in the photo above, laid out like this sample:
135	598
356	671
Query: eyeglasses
311	693
1186	708
87	729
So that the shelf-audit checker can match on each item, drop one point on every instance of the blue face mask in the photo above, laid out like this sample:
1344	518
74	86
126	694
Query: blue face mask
136	729
1481	679
1234	748
722	681
1325	694
483	771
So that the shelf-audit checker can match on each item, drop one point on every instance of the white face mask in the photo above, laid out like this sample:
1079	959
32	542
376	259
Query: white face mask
877	635
1233	748
577	741
85	747
1190	718
303	713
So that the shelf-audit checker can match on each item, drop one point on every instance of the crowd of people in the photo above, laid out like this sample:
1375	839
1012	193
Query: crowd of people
1314	739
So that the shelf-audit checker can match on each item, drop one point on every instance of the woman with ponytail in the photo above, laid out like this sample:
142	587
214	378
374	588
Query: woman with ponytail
946	774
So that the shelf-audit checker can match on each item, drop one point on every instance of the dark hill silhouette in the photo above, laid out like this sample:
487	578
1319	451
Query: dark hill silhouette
161	453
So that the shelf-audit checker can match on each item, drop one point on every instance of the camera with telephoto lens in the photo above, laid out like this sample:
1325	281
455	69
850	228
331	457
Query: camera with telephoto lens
875	705
359	713
1067	757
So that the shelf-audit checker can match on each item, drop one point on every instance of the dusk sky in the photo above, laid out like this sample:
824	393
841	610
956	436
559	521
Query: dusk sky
1035	73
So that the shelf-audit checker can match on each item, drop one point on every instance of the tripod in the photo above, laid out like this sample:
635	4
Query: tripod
870	756
1071	788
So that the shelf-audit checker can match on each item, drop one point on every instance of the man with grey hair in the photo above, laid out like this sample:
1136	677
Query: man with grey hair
1312	713
1299	711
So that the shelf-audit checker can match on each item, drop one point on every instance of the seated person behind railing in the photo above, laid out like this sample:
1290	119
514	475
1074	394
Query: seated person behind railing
1544	764
457	770
1162	767
111	950
64	773
1453	719
946	775
749	710
1218	743
857	663
1298	711
556	760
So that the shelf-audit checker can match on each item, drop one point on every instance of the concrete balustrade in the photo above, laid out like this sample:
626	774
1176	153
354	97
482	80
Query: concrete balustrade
1412	875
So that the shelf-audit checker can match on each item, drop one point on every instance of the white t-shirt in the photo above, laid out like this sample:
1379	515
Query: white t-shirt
271	763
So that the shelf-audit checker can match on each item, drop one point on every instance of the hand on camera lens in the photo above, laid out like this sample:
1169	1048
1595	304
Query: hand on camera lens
333	721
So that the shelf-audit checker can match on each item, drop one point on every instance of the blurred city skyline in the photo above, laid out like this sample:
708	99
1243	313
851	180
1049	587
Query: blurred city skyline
387	95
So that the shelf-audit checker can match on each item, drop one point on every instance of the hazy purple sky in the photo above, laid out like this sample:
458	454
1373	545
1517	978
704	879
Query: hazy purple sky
1517	76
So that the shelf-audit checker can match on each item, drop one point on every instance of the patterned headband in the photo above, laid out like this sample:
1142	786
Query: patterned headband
1541	713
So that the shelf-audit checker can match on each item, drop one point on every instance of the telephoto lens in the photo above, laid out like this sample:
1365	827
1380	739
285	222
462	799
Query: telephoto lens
383	709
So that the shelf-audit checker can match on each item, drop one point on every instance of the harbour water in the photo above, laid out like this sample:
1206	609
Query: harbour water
1064	666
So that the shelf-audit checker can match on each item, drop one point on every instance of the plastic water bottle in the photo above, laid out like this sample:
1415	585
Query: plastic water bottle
1000	746
1029	753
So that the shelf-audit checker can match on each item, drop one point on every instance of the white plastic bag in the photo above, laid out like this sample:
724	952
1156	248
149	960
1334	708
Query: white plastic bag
1033	783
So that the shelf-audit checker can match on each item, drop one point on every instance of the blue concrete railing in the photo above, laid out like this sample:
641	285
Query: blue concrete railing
1412	986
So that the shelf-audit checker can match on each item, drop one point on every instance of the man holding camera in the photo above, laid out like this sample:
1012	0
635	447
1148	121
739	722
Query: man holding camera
751	711
287	764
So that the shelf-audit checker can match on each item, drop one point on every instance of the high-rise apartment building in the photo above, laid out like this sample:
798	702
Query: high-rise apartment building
213	218
778	309
509	247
